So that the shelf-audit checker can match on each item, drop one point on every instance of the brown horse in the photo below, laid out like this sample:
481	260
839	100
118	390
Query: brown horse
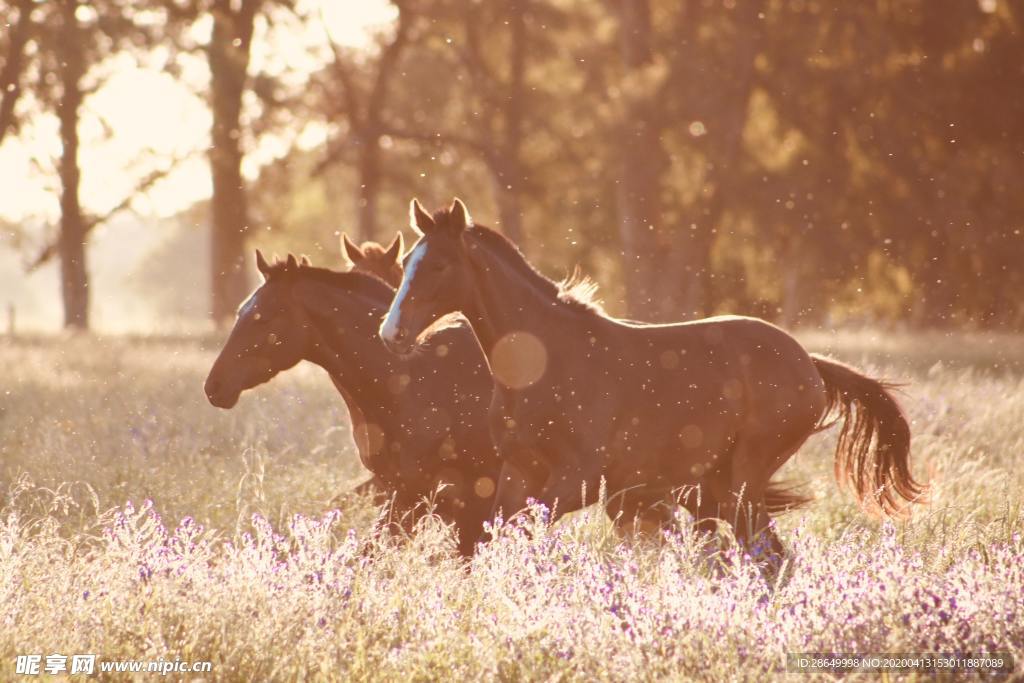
424	418
371	257
717	404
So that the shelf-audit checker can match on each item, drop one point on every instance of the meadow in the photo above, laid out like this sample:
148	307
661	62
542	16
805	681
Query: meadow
138	522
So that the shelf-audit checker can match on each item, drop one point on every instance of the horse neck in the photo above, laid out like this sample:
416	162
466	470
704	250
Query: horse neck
349	349
508	297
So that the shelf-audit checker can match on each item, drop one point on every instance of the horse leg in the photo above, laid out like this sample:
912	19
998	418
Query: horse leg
512	491
702	506
739	486
777	425
564	493
575	483
372	487
466	537
511	495
640	512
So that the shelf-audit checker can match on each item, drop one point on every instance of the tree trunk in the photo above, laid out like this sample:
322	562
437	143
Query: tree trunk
71	242
508	171
508	197
369	186
692	243
14	64
792	281
641	160
228	55
370	130
690	261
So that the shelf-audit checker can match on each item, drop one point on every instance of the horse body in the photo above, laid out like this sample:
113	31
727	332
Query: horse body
418	422
651	408
385	263
718	404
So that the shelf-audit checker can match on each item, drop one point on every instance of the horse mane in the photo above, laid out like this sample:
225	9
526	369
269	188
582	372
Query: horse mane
577	290
356	282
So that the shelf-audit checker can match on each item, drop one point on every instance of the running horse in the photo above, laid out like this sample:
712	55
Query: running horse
716	404
419	422
385	263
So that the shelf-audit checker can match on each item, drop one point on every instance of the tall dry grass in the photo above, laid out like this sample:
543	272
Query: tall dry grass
138	522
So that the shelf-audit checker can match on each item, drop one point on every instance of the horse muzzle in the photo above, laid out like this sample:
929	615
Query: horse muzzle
220	396
397	340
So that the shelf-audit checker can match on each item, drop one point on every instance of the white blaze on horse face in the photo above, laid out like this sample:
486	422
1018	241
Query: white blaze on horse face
249	304
392	323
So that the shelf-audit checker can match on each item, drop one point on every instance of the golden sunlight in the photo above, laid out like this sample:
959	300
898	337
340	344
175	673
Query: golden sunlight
142	120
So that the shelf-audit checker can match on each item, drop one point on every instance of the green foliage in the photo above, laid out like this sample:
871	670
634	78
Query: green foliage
818	158
810	161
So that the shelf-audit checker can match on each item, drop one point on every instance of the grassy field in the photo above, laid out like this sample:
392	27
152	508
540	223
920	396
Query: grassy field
138	522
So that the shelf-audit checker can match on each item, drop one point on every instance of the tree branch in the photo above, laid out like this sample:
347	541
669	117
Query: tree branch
92	223
349	91
10	75
389	60
365	122
485	81
335	152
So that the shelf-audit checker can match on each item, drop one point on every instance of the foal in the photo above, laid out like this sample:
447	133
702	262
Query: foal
372	258
718	404
423	419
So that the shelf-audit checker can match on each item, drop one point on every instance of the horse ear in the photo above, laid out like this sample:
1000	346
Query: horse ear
419	220
291	264
262	265
353	253
460	215
304	261
395	249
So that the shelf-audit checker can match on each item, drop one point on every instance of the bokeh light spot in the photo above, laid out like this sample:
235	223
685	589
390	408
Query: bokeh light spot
519	360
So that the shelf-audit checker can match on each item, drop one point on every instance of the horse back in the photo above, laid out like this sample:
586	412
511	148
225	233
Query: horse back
743	359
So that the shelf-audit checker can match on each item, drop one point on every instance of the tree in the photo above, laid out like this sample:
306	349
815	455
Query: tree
713	83
755	157
228	55
11	74
501	100
905	160
70	52
641	163
59	44
361	98
481	57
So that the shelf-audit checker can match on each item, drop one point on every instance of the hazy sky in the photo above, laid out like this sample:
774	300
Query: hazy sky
145	109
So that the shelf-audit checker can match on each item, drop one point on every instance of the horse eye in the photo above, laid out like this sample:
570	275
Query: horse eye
272	339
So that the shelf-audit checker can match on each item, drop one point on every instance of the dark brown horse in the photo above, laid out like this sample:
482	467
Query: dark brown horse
717	404
423	419
386	263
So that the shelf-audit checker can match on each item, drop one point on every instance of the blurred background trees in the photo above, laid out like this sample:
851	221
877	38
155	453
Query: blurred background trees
808	161
54	52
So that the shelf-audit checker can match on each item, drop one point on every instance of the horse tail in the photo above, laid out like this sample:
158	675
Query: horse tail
873	453
782	496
